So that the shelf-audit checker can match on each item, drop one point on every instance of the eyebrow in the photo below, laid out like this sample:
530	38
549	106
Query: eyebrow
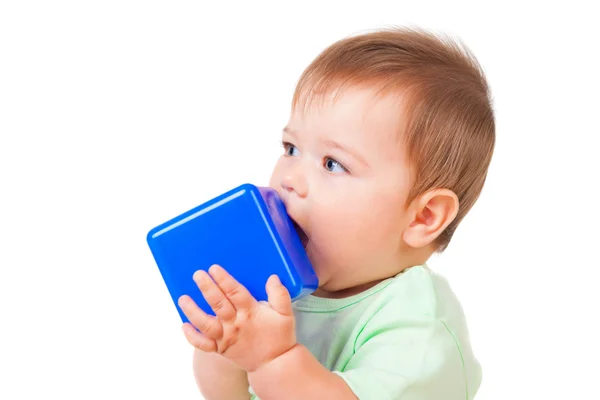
333	144
290	131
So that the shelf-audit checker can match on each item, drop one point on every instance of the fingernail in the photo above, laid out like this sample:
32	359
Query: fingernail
182	301
199	275
214	269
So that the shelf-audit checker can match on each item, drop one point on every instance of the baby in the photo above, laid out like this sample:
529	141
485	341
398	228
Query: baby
386	150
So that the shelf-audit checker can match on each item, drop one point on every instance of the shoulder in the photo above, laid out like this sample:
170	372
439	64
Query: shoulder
418	292
418	318
410	294
417	297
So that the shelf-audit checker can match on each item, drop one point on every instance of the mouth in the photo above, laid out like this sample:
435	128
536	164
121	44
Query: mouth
301	234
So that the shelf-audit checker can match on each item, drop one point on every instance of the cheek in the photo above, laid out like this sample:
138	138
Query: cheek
377	227
368	224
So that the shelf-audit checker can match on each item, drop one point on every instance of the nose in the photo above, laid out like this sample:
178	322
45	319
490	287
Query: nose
295	182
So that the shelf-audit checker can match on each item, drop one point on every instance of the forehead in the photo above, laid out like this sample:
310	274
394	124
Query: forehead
355	116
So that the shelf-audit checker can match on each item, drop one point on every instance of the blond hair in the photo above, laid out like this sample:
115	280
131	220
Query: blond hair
447	122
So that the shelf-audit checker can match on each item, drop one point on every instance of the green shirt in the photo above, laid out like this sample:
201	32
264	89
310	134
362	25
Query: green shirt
405	338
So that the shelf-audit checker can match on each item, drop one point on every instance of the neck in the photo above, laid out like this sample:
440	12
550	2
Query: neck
343	293
410	258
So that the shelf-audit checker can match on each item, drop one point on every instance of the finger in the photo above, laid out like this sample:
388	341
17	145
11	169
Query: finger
197	339
214	296
279	296
207	324
235	292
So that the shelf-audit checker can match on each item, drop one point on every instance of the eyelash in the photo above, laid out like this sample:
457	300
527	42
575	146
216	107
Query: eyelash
288	145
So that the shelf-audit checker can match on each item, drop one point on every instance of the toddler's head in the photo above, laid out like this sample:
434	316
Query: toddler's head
386	150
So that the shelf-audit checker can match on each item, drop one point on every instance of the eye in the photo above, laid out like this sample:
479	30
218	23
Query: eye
290	149
334	166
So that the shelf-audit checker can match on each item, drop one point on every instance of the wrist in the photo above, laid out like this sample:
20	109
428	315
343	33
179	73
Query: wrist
274	363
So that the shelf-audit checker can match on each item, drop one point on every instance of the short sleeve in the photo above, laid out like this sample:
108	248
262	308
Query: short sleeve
411	359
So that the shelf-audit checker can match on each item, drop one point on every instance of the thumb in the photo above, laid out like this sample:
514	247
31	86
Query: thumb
279	297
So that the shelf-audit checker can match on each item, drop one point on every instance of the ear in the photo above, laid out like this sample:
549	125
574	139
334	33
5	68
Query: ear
433	212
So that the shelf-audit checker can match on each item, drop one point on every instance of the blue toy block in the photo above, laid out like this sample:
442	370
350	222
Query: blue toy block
247	231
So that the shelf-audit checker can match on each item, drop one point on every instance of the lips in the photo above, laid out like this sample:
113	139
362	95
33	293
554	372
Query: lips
303	237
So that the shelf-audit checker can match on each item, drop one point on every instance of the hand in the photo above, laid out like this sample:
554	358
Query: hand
248	332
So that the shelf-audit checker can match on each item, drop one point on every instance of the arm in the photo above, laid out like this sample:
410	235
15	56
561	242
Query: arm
218	378
297	374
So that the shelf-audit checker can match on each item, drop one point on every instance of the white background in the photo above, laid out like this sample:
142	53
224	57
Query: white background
117	115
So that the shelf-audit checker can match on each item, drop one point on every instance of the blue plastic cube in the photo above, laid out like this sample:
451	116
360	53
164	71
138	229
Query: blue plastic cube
246	231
